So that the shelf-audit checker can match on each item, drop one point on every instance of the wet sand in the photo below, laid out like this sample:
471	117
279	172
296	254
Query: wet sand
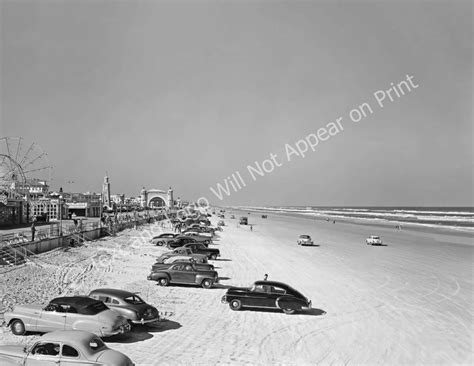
409	302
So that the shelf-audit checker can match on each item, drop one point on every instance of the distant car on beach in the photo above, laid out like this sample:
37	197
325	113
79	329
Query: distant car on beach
244	220
305	240
220	223
266	294
374	240
64	348
67	313
127	304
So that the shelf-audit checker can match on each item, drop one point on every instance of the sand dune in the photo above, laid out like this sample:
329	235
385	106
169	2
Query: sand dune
408	302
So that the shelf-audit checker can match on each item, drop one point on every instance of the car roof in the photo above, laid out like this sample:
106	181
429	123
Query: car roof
289	289
113	292
77	336
76	301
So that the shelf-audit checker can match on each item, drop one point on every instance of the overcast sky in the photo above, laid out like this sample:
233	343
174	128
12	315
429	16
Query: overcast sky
184	94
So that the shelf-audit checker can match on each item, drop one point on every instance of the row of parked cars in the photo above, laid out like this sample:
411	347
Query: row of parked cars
75	326
187	260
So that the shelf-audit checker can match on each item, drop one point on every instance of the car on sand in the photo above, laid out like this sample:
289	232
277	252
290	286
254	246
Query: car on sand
163	238
198	248
128	304
67	313
266	295
199	266
181	273
70	347
374	240
305	240
181	251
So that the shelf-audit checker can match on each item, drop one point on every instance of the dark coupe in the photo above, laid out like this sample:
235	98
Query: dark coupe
267	294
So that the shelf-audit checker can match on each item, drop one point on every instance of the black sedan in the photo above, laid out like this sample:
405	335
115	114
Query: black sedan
266	294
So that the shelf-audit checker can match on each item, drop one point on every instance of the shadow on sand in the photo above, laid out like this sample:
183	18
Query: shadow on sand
223	260
310	312
140	333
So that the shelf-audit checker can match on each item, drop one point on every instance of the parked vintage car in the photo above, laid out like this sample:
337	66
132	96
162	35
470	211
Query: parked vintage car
266	294
374	240
67	313
205	232
127	304
199	266
184	274
163	238
304	240
198	248
179	242
181	251
197	237
66	347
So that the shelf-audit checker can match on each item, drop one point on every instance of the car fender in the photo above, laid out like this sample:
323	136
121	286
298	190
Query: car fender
125	312
286	302
87	326
157	275
28	320
201	277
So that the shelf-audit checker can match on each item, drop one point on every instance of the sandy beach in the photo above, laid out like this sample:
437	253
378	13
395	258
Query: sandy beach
409	302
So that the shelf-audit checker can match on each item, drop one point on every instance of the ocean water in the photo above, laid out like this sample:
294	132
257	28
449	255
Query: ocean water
458	218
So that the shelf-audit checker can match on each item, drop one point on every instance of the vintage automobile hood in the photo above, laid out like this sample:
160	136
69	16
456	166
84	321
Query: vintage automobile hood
12	351
113	358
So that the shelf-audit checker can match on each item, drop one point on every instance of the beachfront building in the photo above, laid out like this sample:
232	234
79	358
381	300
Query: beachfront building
83	204
13	209
156	198
46	209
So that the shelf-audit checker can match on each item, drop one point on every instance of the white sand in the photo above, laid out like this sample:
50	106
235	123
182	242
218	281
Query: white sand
410	302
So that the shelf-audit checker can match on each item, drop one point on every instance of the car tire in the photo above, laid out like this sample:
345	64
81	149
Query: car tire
17	327
213	257
163	282
160	243
289	311
235	304
207	283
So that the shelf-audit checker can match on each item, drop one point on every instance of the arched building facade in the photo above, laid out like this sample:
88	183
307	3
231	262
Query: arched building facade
156	198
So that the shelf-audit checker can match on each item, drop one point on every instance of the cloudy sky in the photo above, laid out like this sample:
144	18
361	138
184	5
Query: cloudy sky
186	93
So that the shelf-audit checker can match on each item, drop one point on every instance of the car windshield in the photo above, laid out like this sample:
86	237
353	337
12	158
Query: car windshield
93	309
96	344
134	300
304	236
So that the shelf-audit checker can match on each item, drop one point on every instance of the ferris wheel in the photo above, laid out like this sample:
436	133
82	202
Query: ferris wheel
21	163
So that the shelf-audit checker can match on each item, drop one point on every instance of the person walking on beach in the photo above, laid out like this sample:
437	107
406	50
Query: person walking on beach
33	231
251	227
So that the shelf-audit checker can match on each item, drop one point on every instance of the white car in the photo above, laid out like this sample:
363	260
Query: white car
305	240
374	240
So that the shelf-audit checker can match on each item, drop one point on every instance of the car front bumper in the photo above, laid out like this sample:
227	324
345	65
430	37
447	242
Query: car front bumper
124	328
145	321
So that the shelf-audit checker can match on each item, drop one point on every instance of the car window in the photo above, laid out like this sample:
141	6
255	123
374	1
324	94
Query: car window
175	267
115	302
134	300
102	298
189	268
46	348
51	307
277	290
69	351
